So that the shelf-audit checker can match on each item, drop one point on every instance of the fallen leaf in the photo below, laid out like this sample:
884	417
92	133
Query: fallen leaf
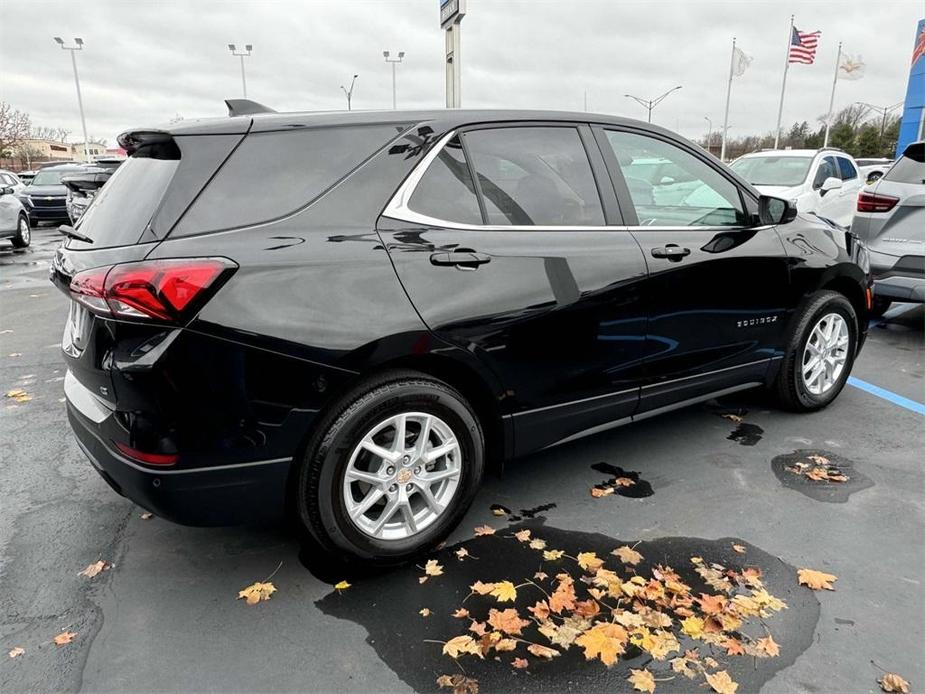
890	682
553	554
508	621
342	585
462	553
257	592
598	492
504	591
460	645
500	512
478	628
563	598
64	637
522	535
721	682
540	576
817	580
461	613
432	568
423	579
642	680
542	651
520	663
712	604
460	684
18	651
94	569
540	610
15	354
739	548
589	561
733	646
484	530
505	645
693	627
537	543
627	555
147	515
818	459
624	482
768	646
733	418
480	588
604	640
682	666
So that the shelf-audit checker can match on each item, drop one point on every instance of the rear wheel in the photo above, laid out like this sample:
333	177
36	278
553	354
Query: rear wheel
392	469
819	353
23	234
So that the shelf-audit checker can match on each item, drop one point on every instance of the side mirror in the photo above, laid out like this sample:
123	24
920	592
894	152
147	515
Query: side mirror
831	183
665	181
6	190
874	176
773	210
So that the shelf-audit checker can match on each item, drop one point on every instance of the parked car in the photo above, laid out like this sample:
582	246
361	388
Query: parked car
354	315
825	182
10	180
890	217
82	187
26	177
872	169
14	222
45	198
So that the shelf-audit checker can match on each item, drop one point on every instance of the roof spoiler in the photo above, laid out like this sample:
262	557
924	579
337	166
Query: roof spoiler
246	107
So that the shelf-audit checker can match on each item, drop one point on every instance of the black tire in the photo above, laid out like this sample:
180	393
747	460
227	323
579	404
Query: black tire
23	233
879	306
789	387
319	502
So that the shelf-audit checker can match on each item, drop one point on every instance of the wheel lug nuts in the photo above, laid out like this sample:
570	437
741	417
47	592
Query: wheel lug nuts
408	487
393	488
406	459
390	470
417	470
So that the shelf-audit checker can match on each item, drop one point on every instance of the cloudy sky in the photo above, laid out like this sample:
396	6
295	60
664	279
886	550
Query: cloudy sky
147	60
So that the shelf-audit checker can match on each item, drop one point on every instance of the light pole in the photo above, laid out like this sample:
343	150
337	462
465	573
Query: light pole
884	112
394	61
649	104
241	54
709	132
79	46
349	92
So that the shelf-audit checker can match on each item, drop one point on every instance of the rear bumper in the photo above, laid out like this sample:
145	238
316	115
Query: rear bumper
899	278
216	495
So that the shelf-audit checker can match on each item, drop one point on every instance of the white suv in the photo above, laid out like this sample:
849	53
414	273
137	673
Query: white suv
824	181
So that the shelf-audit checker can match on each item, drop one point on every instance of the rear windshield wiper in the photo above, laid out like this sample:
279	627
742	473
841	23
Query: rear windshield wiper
71	232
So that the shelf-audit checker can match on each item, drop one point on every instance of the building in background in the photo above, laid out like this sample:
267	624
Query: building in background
94	149
912	126
33	150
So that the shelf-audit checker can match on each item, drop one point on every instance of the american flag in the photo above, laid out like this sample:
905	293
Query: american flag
803	46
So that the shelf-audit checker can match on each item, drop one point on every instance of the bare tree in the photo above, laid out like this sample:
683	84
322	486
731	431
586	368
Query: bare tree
43	132
14	128
101	141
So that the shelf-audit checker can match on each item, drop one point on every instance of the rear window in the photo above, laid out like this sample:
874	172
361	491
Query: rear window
773	171
910	168
123	207
271	175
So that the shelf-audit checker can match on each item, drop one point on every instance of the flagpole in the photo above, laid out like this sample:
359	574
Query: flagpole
783	86
828	118
722	150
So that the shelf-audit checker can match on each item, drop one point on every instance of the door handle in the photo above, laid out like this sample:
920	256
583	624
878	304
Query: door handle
671	251
461	260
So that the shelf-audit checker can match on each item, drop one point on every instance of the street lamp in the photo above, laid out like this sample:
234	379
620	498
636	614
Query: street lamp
709	132
349	92
884	112
649	104
394	61
241	54
79	46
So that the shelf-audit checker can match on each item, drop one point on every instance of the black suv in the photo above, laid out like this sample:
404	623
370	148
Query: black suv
353	315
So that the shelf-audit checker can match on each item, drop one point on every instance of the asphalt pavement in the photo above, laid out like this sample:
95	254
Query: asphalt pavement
165	618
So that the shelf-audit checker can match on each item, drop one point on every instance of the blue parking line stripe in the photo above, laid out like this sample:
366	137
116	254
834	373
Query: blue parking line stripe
917	407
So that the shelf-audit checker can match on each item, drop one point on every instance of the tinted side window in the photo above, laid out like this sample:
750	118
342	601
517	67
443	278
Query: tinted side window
536	176
699	196
827	169
273	174
847	170
446	190
910	167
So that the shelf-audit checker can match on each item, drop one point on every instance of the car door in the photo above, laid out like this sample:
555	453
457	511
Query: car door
509	243
9	208
848	194
715	290
828	204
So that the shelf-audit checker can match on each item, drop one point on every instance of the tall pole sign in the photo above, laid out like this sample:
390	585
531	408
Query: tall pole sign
451	15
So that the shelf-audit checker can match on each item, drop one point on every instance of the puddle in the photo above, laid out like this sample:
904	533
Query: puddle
745	433
639	488
387	605
832	465
504	512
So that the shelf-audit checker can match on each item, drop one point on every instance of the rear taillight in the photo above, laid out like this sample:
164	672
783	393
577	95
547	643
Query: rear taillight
167	290
149	458
874	202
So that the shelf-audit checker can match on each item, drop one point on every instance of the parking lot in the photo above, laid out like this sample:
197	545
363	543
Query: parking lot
165	616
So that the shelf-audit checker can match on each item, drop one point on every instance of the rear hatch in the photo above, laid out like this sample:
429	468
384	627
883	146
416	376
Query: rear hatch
131	214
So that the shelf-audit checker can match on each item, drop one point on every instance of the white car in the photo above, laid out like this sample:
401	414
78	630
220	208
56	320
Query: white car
873	168
10	180
14	222
825	182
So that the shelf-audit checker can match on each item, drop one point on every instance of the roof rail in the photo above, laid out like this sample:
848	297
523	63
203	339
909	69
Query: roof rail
246	107
834	149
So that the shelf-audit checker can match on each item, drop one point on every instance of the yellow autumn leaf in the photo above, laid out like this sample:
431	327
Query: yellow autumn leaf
64	637
522	535
537	543
257	592
605	641
480	588
721	682
461	613
484	530
589	561
17	651
817	580
553	554
432	568
693	627
542	651
341	585
94	569
768	646
460	645
627	555
424	612
642	680
504	591
891	682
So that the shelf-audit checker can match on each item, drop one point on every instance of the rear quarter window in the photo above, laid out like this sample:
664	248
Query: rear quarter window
273	174
910	167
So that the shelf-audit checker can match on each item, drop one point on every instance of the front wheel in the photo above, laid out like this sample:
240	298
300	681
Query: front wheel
23	234
819	353
392	469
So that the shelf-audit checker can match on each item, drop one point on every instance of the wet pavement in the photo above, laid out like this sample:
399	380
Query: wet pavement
165	617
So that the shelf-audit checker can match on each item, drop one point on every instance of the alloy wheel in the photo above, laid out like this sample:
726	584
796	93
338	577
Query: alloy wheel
825	354
24	233
402	476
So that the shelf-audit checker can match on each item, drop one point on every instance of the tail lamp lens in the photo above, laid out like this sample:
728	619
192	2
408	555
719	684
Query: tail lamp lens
149	458
873	202
167	290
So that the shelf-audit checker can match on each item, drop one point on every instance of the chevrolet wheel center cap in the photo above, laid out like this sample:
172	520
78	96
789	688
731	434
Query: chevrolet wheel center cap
404	475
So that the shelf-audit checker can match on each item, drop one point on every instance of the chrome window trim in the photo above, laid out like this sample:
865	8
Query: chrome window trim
398	209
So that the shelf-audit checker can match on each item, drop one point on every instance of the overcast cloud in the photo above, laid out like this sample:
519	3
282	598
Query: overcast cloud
146	61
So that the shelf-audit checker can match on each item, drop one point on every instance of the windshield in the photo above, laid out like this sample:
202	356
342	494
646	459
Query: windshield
773	171
50	178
